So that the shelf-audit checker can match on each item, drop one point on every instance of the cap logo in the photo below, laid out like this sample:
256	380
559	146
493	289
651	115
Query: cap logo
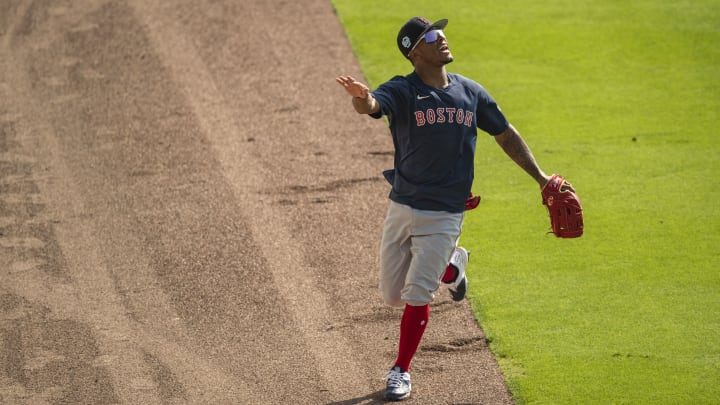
406	42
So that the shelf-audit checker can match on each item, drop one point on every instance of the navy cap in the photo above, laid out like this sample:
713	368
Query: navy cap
413	30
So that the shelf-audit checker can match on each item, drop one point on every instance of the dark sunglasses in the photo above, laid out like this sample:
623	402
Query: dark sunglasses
430	37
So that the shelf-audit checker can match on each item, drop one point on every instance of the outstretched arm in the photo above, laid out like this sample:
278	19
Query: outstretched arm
363	101
515	147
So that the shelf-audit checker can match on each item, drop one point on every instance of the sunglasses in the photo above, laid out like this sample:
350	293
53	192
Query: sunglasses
430	37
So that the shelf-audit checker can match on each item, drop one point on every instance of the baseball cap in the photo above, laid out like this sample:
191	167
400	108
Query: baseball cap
413	30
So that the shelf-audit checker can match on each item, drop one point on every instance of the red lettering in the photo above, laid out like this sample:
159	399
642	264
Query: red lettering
440	115
451	114
430	117
468	118
419	118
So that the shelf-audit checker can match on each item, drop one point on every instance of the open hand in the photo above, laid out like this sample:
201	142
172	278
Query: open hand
353	87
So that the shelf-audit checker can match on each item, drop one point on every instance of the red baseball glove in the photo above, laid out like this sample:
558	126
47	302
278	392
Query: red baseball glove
566	217
472	202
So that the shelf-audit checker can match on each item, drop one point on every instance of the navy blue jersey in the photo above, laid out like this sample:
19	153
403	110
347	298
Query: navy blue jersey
434	132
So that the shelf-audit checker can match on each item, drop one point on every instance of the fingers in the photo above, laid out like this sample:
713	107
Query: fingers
352	86
567	187
346	81
349	81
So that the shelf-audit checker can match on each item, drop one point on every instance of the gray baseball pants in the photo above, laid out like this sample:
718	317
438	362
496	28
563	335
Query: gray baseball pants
414	252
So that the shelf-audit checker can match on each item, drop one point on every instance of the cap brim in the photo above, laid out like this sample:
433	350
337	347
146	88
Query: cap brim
438	25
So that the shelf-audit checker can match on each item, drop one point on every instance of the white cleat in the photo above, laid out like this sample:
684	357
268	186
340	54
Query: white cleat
459	260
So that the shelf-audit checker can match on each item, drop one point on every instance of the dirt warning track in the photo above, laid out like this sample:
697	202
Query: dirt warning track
190	213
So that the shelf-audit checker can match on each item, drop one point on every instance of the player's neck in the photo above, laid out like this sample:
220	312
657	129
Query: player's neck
433	76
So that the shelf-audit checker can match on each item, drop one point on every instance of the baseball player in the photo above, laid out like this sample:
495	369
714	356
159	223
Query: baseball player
433	117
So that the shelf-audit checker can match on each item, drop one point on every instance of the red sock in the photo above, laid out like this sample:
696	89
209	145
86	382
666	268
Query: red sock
450	274
412	327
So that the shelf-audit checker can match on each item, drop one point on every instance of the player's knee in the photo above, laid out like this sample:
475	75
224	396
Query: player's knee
393	299
416	295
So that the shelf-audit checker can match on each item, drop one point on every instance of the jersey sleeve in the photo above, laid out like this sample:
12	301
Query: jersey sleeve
489	116
390	95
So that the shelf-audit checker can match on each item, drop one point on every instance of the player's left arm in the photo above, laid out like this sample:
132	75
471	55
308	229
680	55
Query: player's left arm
515	147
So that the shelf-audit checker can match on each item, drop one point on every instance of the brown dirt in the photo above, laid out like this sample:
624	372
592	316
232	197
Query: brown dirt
190	213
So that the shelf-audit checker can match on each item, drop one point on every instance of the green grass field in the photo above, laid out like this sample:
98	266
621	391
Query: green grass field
623	99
